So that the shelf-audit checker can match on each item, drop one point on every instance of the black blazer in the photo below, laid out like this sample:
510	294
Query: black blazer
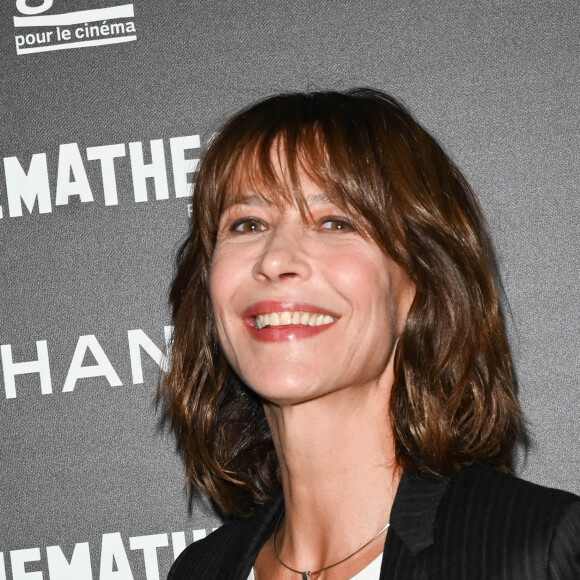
480	524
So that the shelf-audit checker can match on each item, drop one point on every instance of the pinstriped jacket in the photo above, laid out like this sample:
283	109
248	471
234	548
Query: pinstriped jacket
480	524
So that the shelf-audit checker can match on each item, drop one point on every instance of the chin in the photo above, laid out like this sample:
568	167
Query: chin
289	391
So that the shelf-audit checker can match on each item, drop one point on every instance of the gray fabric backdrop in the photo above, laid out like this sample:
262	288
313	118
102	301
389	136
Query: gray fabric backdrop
90	484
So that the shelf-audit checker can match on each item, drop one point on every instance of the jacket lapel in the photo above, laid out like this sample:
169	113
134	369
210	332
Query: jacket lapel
415	509
412	526
254	533
412	530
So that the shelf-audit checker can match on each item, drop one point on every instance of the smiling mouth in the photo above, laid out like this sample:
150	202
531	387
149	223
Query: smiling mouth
295	318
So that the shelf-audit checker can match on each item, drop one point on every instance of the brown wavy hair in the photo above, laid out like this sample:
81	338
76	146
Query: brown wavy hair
453	401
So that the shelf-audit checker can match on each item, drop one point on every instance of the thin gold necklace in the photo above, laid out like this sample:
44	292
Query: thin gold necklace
306	575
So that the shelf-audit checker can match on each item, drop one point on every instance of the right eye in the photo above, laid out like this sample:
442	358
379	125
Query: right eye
247	225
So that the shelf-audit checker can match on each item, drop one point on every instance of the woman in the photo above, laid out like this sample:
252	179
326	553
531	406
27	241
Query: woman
340	378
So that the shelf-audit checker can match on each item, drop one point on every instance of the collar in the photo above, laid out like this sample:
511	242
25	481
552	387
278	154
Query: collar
412	518
415	509
255	532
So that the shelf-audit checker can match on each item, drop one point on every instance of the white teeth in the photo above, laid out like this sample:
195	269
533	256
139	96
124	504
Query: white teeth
287	318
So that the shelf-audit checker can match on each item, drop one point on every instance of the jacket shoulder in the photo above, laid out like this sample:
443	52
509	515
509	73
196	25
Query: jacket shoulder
483	487
229	551
505	527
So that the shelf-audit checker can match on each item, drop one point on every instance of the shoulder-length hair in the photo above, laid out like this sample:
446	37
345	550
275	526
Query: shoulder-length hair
453	400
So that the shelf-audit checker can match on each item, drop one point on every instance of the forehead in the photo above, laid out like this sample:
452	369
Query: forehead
278	179
310	198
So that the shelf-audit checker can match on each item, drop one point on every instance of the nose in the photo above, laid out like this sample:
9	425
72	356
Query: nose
284	255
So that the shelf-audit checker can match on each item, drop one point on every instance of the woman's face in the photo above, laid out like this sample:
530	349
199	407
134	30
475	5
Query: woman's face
304	307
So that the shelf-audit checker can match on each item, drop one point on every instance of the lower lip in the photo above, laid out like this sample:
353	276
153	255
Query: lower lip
286	333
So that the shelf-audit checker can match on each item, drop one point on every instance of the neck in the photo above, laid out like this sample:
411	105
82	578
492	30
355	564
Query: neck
339	474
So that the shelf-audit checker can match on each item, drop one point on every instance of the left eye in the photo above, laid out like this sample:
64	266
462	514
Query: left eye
336	224
247	225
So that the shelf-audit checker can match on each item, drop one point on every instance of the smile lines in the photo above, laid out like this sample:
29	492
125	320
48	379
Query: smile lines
287	318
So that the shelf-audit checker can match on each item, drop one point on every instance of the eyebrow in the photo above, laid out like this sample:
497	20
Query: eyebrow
243	199
258	200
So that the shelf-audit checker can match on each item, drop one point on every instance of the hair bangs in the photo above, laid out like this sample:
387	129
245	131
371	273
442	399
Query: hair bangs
276	153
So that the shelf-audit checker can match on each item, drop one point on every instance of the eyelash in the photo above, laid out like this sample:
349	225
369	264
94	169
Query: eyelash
236	227
341	223
255	225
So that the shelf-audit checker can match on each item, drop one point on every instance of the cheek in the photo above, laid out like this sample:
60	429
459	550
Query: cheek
220	289
360	277
223	276
376	285
215	287
225	285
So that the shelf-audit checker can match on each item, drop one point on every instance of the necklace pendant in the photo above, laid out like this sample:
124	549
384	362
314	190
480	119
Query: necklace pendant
305	575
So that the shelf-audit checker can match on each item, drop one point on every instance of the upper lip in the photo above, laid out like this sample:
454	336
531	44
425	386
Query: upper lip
268	306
